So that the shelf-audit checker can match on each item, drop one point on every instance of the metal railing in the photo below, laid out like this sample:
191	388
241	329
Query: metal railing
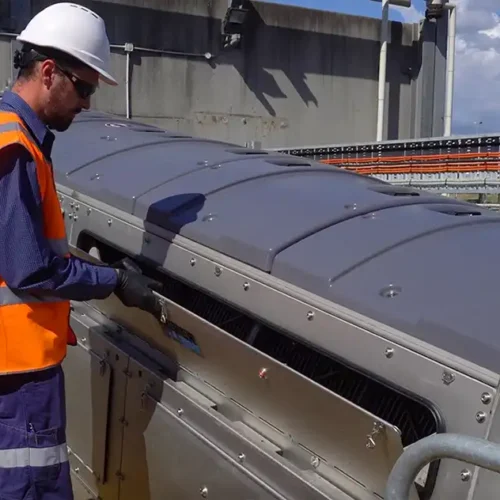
474	451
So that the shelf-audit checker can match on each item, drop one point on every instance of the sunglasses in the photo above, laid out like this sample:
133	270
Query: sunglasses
83	88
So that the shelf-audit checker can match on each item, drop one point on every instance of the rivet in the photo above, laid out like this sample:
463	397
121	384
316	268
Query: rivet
389	352
351	206
75	217
89	210
204	492
218	271
480	417
241	457
315	461
180	412
110	221
192	261
246	286
77	469
486	398
310	315
448	378
263	372
390	291
465	475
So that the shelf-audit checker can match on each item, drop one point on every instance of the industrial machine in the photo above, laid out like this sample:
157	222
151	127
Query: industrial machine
319	326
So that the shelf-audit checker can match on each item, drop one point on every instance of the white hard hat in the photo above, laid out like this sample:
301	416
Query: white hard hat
75	30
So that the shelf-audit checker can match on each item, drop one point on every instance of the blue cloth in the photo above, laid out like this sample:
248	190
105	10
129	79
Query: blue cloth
27	263
33	452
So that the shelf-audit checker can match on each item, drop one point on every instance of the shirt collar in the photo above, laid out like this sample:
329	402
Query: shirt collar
12	102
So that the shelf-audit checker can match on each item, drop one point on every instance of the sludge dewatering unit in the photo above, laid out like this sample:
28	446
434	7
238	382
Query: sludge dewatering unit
318	323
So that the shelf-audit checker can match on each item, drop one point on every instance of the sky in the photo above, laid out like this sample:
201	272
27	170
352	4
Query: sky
477	65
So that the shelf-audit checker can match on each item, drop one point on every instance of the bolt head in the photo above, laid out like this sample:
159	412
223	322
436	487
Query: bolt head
480	417
486	398
310	315
389	352
204	492
241	457
448	378
465	475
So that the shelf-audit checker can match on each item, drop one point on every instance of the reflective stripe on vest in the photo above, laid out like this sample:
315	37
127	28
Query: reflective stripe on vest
33	457
34	328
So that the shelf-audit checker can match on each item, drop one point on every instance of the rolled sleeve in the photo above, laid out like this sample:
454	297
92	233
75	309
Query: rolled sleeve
27	261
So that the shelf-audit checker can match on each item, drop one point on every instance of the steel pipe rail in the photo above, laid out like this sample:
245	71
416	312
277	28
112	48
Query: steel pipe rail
475	451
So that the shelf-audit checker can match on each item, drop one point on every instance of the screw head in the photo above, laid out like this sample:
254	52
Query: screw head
486	398
192	261
246	286
389	352
241	457
263	372
310	315
204	492
218	271
315	461
180	412
465	475
448	378
480	416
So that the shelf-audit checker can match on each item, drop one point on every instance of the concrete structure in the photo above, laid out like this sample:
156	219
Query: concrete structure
299	76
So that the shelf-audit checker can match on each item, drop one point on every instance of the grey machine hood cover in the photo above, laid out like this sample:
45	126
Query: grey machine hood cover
415	261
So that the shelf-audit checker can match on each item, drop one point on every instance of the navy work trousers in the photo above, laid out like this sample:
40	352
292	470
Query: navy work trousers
33	453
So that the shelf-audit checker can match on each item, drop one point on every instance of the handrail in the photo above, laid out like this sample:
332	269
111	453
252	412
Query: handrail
475	451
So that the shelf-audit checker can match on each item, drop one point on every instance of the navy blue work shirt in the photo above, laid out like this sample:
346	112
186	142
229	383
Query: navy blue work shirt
27	261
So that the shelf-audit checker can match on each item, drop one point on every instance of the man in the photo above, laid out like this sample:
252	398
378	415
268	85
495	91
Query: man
65	53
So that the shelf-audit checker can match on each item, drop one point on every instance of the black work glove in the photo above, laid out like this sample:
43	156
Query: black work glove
135	289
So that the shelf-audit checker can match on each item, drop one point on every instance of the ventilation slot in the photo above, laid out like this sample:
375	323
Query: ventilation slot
396	191
244	151
289	162
457	210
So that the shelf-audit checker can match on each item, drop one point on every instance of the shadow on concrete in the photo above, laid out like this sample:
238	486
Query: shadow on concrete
265	49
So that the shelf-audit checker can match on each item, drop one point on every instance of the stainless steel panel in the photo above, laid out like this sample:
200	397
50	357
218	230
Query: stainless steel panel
175	446
288	401
80	489
95	388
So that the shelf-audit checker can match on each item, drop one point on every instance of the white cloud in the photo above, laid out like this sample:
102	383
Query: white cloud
409	14
477	65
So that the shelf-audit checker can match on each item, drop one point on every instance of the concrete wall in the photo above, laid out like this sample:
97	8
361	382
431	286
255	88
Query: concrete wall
300	77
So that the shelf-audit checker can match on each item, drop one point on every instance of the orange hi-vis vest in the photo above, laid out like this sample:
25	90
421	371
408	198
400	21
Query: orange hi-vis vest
34	331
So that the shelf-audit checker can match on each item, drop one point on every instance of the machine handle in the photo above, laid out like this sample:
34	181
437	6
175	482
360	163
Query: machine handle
475	451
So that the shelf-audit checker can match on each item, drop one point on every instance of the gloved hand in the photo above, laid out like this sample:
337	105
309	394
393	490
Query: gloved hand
135	290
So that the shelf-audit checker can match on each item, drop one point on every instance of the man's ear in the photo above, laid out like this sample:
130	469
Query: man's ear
47	71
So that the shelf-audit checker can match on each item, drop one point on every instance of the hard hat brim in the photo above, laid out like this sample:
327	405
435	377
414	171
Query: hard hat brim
103	75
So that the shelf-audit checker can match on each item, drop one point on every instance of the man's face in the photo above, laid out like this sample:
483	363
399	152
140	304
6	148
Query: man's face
64	97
